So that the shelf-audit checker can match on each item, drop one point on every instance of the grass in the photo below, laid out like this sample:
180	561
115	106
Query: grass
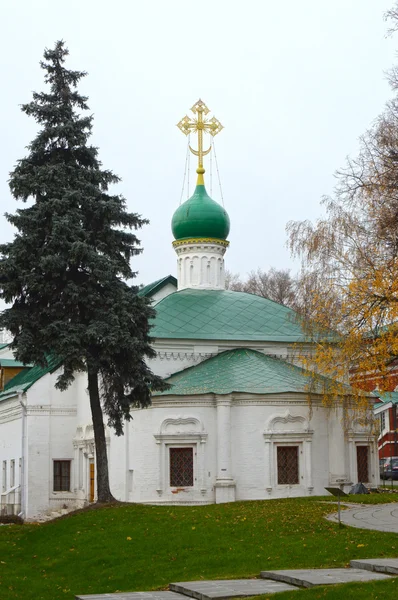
348	591
131	547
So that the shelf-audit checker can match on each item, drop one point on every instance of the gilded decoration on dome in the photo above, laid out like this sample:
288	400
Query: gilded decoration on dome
200	240
200	124
200	217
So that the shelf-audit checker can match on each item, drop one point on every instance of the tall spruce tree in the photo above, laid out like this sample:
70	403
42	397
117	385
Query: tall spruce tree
65	272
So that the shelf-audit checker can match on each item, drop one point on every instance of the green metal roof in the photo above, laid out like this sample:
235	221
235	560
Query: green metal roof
386	397
3	346
224	315
152	288
240	370
10	362
200	217
26	378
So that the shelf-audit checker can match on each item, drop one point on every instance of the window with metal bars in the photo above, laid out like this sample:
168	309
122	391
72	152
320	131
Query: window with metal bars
288	465
61	476
181	467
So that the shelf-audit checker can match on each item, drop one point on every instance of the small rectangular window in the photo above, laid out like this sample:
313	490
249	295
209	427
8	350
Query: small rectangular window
61	475
181	467
288	465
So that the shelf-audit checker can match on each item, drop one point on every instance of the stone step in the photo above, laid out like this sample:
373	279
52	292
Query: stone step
271	582
379	565
310	577
228	588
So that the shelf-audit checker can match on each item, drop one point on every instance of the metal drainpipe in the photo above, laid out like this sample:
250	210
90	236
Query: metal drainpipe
22	513
127	448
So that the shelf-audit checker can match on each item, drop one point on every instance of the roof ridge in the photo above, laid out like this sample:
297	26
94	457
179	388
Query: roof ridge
154	285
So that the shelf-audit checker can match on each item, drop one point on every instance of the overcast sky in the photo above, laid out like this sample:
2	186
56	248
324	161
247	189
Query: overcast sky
294	84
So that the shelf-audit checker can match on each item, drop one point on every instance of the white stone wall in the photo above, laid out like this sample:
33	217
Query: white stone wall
166	290
10	442
51	425
257	427
152	432
242	432
119	464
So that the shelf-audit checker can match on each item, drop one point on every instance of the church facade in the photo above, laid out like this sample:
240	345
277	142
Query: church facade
236	423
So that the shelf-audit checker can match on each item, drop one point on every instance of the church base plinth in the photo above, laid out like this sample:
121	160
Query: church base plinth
225	490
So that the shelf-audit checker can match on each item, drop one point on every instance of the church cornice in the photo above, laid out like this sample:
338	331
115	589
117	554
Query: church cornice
52	411
10	414
193	356
237	399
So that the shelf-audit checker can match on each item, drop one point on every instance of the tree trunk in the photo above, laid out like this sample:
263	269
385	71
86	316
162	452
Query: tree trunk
103	490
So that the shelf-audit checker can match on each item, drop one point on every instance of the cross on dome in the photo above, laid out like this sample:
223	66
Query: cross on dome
199	125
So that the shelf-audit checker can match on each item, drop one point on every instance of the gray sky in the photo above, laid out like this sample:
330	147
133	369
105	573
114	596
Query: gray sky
293	83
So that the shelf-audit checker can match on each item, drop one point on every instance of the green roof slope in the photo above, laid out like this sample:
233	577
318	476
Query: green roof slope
385	398
224	315
26	378
240	370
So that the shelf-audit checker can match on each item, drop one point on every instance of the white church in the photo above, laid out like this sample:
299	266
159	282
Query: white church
236	423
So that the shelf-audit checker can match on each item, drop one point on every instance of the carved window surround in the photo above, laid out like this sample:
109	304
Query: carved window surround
84	452
179	432
285	429
362	438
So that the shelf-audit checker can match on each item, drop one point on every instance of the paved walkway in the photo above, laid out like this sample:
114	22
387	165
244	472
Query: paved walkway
380	517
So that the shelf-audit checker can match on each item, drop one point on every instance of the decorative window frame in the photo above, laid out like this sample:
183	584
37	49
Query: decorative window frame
362	438
196	438
84	452
299	435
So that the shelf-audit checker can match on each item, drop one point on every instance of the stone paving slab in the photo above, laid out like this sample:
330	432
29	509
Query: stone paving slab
310	577
132	596
380	565
222	589
379	517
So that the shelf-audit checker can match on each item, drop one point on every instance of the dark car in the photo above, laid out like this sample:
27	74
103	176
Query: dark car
389	470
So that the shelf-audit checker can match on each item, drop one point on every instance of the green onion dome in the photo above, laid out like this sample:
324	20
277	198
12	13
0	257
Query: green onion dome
200	217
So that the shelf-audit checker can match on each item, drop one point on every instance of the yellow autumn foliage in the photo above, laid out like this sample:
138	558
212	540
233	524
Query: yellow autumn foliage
350	265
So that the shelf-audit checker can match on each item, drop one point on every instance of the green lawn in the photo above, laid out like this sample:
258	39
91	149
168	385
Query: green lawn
136	547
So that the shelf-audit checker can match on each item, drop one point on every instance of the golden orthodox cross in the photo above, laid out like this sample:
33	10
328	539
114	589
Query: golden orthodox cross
199	125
